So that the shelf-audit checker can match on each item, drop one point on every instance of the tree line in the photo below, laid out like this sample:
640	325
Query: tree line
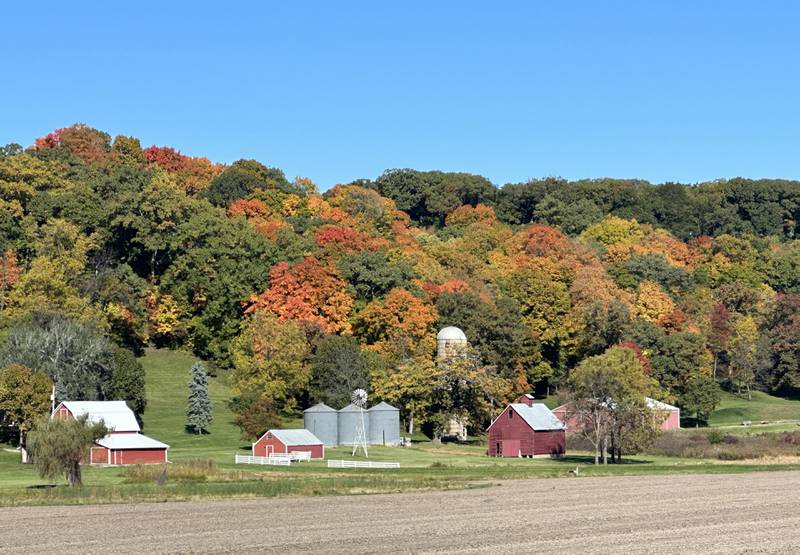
107	247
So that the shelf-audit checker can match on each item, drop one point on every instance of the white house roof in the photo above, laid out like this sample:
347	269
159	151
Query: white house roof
538	416
451	333
130	441
299	436
116	415
653	404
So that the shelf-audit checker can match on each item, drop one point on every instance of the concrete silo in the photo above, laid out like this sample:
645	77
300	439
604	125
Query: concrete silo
322	421
384	425
349	419
449	341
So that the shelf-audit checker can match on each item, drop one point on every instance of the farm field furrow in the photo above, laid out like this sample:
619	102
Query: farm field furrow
685	513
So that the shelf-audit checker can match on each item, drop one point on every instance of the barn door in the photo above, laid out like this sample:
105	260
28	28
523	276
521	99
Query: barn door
511	448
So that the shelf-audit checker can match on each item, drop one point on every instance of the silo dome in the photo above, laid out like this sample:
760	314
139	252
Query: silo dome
449	340
451	333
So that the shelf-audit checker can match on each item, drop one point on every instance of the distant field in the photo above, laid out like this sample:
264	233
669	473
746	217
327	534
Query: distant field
424	466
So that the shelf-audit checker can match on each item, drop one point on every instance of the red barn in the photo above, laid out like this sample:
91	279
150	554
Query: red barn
286	441
526	429
124	444
671	415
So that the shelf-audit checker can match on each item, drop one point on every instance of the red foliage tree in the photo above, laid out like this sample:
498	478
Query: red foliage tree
310	293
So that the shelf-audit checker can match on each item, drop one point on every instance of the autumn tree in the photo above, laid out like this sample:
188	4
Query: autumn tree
271	360
24	398
744	355
399	326
309	293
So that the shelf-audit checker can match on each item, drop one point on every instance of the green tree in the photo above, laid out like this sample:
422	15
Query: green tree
337	368
607	394
701	397
198	409
78	359
58	446
128	382
242	178
373	274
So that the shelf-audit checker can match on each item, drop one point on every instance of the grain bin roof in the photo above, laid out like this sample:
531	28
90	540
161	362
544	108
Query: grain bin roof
383	405
320	407
299	436
350	408
538	416
116	415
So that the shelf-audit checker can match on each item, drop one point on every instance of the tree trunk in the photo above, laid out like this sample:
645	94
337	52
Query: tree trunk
411	425
715	366
605	450
74	474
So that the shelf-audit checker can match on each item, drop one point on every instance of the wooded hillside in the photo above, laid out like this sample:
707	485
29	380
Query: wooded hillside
305	295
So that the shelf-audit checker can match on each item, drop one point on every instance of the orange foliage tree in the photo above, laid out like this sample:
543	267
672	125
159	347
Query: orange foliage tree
309	293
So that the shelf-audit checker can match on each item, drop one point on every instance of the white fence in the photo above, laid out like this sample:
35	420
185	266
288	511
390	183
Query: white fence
362	464
275	461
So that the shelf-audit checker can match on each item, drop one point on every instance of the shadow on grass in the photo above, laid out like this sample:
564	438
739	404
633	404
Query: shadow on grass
589	460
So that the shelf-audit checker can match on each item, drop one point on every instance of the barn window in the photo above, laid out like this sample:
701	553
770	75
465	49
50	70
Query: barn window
510	414
269	435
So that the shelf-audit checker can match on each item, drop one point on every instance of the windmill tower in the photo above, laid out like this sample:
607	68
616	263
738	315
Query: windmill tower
359	399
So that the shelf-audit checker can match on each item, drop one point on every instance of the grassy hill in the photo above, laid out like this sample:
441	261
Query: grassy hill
165	417
734	409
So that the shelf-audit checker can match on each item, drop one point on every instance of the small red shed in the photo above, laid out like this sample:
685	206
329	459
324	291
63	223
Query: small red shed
124	444
526	429
287	441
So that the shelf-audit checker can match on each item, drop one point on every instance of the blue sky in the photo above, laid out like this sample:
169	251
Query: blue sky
685	91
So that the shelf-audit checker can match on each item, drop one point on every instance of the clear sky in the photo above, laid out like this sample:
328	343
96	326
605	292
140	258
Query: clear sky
667	90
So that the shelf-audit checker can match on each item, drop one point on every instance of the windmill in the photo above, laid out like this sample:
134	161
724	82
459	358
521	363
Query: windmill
359	399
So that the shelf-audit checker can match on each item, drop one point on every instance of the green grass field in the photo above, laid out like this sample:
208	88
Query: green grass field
423	465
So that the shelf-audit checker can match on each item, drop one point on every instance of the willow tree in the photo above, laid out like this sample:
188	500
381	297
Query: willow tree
58	446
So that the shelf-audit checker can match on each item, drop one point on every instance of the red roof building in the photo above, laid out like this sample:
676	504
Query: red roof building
288	441
124	443
526	429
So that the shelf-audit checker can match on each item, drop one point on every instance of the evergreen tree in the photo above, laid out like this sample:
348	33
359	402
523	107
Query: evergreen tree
198	410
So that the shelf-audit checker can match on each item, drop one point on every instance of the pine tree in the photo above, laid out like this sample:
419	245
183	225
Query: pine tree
198	409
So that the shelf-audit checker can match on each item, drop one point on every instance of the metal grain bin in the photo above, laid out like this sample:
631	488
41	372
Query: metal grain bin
322	421
349	418
384	425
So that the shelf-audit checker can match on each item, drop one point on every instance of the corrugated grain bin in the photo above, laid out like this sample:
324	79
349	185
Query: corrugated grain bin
322	421
349	418
384	425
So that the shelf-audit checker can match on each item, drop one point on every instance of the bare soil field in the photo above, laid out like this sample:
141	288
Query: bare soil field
642	514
